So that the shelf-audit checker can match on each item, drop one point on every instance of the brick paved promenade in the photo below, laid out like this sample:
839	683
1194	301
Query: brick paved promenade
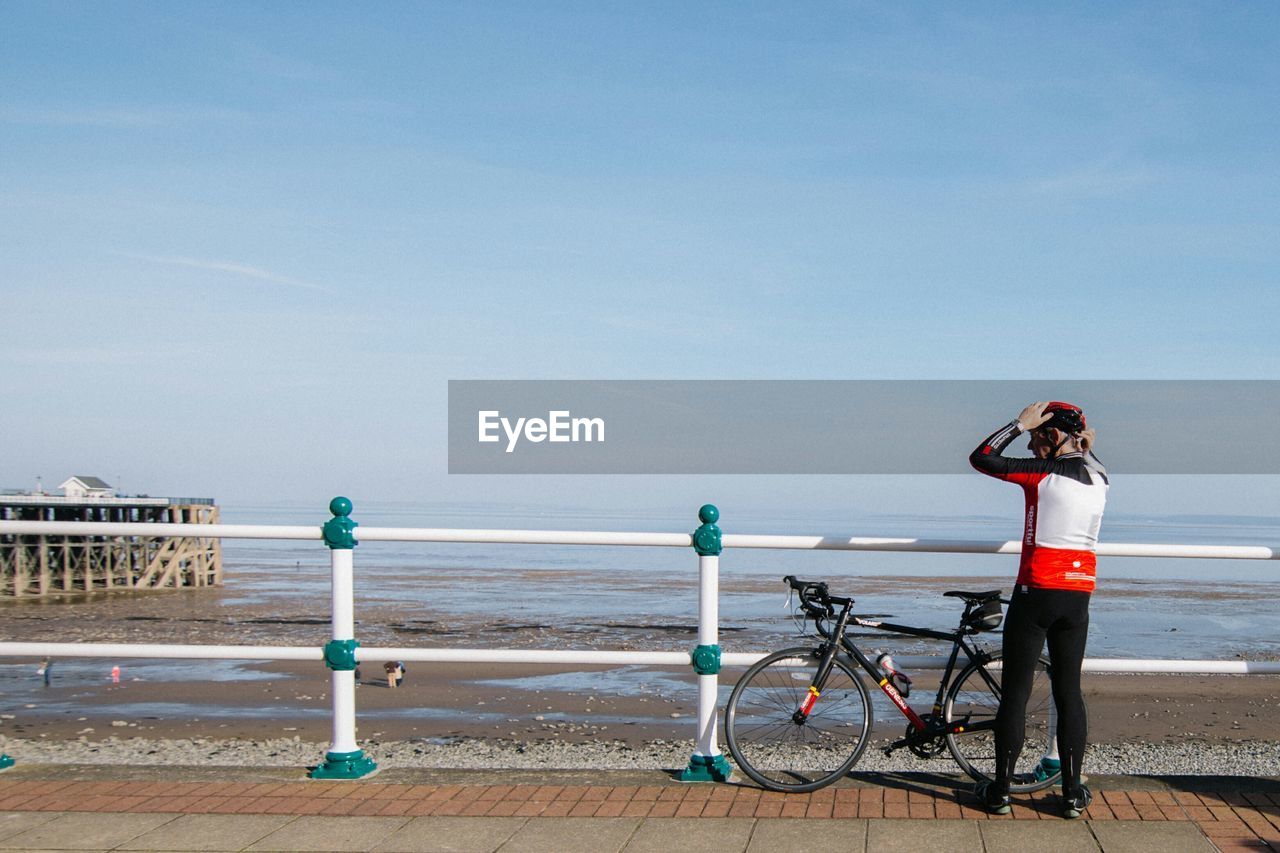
45	807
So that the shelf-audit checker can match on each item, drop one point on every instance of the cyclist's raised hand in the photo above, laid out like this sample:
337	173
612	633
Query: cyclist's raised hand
1033	415
1085	439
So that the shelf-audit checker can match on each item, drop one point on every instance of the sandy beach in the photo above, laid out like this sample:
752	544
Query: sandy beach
445	703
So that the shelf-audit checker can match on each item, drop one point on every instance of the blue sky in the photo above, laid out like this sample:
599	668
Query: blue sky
244	246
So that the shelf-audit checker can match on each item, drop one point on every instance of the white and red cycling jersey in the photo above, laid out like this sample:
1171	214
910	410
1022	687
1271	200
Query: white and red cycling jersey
1065	498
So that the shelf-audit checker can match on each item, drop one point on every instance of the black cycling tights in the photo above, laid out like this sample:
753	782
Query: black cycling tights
1062	618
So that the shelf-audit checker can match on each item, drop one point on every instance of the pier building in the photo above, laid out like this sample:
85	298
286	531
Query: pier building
36	566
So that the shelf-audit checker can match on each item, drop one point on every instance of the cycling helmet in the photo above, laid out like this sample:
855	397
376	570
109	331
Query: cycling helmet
1064	416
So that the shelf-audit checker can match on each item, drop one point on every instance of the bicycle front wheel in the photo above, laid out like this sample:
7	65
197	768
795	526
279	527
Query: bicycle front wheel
976	694
780	753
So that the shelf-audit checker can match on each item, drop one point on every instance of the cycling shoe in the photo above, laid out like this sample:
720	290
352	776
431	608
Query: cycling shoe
1076	802
1047	769
992	799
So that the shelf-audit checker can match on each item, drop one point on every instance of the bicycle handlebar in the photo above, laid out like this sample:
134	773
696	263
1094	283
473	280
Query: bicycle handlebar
815	598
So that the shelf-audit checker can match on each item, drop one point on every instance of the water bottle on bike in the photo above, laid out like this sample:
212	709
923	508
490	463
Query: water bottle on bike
897	678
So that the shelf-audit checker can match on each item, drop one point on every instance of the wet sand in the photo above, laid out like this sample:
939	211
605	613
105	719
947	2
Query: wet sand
490	701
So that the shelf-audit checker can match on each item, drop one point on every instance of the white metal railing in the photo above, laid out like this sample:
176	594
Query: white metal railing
142	528
164	650
592	658
579	537
345	759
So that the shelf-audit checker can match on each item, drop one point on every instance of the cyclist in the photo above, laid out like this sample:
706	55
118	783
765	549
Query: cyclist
1066	489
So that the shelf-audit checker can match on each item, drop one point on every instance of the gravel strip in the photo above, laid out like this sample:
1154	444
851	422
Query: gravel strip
1254	758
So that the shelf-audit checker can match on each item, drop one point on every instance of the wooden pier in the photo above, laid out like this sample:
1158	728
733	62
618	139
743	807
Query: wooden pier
37	566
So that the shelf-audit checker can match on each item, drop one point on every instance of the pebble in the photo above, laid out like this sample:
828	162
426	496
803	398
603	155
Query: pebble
1246	758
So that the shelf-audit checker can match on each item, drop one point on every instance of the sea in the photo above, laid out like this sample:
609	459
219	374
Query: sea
564	596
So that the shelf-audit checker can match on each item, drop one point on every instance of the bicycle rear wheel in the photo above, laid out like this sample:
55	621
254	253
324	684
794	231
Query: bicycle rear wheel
976	693
776	751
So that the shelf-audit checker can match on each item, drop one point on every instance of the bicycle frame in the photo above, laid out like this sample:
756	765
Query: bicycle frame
830	649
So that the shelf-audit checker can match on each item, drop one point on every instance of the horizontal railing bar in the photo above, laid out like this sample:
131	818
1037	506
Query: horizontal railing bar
161	650
1211	552
578	537
139	528
364	534
568	656
1155	666
522	537
991	546
625	658
1187	667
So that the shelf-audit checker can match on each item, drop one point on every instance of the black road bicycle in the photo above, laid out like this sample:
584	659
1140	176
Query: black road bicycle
800	718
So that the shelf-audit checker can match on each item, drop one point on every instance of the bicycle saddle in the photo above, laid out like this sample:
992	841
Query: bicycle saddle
973	596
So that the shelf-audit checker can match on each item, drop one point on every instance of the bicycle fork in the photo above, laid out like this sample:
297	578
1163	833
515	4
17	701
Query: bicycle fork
801	714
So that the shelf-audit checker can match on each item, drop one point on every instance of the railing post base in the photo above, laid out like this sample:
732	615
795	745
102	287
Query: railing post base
707	768
5	761
345	765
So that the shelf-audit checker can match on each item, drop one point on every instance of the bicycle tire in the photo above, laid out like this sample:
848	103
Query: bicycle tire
975	751
780	754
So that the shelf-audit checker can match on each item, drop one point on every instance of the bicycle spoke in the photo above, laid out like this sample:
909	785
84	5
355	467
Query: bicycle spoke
771	747
974	749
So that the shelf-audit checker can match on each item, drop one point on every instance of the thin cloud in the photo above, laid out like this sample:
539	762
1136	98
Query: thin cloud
119	117
1100	179
262	60
243	270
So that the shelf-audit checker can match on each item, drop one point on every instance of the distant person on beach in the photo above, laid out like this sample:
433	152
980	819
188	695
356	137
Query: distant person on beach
45	670
392	672
400	671
1066	490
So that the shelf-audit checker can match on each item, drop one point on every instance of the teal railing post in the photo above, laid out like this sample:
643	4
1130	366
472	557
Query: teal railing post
345	760
5	761
707	763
